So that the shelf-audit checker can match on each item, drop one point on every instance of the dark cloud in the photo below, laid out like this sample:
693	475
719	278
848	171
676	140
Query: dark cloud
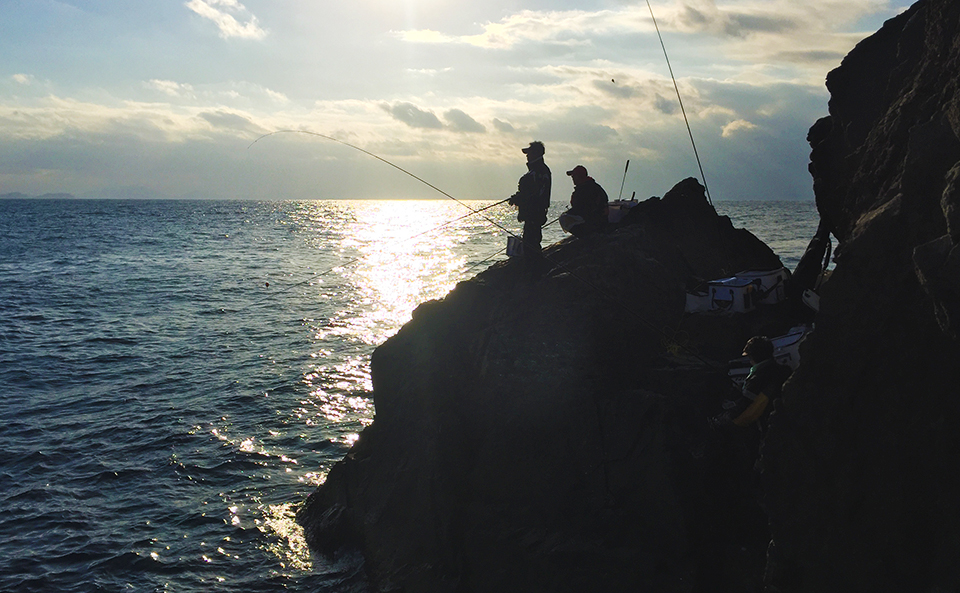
229	121
768	103
413	116
578	126
741	25
461	122
665	105
734	24
611	87
804	57
576	132
503	126
694	18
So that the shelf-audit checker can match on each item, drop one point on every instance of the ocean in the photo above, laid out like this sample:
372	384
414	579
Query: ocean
177	376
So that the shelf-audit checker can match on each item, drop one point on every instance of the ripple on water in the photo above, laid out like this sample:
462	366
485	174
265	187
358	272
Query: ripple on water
179	375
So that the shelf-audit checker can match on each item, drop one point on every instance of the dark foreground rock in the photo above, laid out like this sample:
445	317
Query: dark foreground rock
551	434
863	457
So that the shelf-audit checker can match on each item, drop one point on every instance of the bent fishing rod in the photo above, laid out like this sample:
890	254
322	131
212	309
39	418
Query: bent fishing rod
680	100
472	212
398	168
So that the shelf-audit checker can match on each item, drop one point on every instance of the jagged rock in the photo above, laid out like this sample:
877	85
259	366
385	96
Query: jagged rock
552	435
862	454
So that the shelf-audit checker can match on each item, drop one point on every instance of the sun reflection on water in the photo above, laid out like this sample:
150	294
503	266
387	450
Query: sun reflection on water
372	264
401	264
390	261
288	543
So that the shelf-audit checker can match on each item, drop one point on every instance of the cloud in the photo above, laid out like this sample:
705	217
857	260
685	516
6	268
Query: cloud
666	106
746	18
24	79
808	37
736	126
413	116
276	96
461	122
707	17
423	36
611	87
502	126
222	12
577	126
428	71
169	87
223	120
571	28
808	56
811	35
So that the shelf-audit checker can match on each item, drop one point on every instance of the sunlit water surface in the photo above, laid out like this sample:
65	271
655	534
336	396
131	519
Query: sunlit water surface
177	376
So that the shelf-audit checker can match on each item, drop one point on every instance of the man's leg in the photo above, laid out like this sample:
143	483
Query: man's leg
532	235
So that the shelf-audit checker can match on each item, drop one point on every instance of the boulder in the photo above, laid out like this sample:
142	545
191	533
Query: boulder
551	434
860	463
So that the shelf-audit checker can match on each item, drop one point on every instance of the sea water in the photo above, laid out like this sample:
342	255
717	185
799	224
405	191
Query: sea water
177	376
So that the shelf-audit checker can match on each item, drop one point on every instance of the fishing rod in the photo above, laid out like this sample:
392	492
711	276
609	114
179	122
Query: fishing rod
410	238
385	161
494	223
619	197
680	100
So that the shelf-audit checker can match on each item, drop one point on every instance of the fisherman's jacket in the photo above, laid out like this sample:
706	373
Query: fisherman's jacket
533	194
589	201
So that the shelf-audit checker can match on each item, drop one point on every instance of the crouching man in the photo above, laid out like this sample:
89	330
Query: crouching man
763	385
588	205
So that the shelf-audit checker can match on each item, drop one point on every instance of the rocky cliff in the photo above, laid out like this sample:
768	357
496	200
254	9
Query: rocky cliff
551	434
861	463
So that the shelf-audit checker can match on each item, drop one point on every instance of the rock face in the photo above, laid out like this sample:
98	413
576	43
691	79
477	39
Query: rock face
552	435
861	462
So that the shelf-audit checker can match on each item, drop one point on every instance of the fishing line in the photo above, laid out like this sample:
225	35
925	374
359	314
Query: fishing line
385	161
680	100
402	170
494	223
410	238
480	263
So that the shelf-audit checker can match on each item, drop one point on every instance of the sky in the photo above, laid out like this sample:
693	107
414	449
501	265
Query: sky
172	98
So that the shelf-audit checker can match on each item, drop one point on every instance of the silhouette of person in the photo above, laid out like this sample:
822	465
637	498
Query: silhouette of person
588	205
762	385
532	200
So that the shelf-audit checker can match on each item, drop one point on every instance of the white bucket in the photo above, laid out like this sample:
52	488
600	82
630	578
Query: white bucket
514	246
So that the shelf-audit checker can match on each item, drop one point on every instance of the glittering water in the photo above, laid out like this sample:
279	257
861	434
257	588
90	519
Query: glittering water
176	376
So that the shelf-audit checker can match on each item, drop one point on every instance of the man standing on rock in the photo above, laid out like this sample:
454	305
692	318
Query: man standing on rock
532	200
588	205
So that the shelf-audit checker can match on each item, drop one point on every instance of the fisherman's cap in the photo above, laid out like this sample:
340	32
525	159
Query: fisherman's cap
577	171
536	147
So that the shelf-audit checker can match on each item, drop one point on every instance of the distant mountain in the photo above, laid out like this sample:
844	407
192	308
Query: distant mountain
131	192
15	195
134	192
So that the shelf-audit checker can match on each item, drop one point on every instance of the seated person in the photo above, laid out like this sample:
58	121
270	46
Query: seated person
763	385
588	205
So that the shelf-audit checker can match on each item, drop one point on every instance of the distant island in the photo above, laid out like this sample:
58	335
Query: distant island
133	192
15	195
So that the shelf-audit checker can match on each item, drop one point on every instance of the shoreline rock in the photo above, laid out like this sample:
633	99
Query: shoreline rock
860	463
532	436
552	435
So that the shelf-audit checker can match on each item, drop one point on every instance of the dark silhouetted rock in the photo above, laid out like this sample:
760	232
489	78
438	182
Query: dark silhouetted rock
552	435
861	461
